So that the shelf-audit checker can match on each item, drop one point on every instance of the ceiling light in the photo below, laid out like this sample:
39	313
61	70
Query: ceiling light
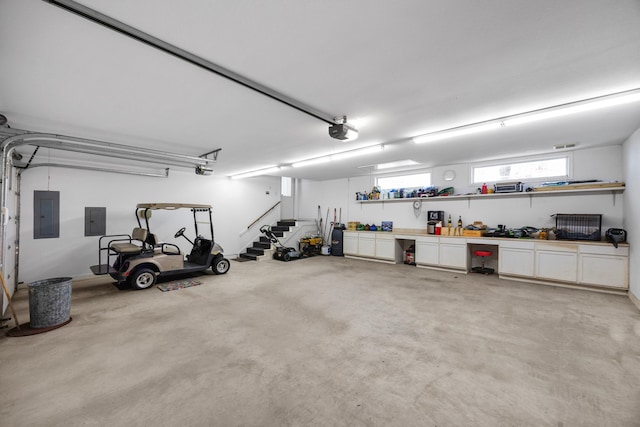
358	152
266	171
397	164
590	104
310	162
343	130
339	156
459	131
573	108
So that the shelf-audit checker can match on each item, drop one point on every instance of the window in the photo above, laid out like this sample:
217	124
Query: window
285	186
419	180
551	167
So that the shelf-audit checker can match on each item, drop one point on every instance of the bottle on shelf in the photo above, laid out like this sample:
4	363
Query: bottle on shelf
449	223
460	221
484	190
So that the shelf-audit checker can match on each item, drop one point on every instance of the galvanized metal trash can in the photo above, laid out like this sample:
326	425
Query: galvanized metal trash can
49	302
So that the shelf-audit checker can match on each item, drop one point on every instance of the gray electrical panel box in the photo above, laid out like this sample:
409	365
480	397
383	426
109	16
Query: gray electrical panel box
95	221
46	214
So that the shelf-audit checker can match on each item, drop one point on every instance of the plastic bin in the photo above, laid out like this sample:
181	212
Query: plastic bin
49	302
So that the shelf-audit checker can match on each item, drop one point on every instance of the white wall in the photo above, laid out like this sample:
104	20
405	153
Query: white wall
598	163
236	203
631	158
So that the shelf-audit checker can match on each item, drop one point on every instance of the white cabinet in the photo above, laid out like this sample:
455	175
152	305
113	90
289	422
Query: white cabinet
350	243
366	245
427	251
603	266
385	247
516	258
453	253
370	245
557	261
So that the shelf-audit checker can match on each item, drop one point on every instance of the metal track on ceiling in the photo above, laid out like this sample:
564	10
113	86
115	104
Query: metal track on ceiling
148	39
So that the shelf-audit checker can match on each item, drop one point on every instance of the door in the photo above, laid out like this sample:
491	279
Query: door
427	253
561	266
516	262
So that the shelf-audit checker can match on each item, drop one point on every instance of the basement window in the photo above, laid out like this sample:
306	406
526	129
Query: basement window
285	186
535	169
418	180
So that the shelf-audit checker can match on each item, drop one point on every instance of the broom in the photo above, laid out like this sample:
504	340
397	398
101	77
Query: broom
6	292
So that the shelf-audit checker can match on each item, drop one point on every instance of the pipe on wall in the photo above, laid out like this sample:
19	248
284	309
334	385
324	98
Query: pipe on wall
81	145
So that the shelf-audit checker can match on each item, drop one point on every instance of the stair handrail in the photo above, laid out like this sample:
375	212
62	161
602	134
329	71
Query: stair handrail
263	215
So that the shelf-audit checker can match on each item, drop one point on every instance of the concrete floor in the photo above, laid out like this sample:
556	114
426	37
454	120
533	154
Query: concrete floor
329	341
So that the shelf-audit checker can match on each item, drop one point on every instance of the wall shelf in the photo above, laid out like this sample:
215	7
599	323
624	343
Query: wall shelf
530	194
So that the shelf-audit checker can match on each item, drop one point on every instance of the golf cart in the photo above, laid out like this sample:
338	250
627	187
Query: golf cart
139	259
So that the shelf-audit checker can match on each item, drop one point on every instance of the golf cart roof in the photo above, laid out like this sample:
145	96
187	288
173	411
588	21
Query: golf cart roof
171	206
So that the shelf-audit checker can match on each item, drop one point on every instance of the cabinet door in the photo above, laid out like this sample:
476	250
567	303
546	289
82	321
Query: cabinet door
367	246
603	270
385	249
516	262
350	244
561	266
453	255
427	253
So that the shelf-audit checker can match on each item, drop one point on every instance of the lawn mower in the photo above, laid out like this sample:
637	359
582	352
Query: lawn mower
282	253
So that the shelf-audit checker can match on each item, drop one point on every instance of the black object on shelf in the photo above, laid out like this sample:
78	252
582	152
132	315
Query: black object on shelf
579	227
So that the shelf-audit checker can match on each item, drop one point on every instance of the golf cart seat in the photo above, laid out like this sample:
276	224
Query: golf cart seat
161	247
138	235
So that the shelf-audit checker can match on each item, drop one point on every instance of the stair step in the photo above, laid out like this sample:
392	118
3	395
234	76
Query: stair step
264	239
287	223
280	228
253	257
262	245
256	251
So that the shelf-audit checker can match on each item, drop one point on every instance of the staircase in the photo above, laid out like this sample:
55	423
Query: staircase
262	246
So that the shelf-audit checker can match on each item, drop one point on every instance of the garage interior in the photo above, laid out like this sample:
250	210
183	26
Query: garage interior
110	105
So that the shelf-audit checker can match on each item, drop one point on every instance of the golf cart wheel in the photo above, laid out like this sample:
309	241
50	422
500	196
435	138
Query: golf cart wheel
142	279
220	265
286	257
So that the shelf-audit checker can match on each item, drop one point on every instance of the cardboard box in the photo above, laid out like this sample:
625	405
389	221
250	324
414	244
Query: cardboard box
473	233
352	225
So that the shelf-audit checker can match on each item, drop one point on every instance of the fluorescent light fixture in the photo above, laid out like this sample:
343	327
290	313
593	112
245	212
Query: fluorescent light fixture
397	164
266	171
359	152
460	131
340	156
310	162
572	108
619	98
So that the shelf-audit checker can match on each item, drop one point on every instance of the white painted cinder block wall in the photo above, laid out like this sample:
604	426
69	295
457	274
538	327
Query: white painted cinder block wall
631	156
236	203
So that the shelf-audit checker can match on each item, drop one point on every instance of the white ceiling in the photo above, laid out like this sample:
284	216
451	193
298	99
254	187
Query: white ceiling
397	69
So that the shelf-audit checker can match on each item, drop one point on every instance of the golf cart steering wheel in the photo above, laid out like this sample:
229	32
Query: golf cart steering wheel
180	232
